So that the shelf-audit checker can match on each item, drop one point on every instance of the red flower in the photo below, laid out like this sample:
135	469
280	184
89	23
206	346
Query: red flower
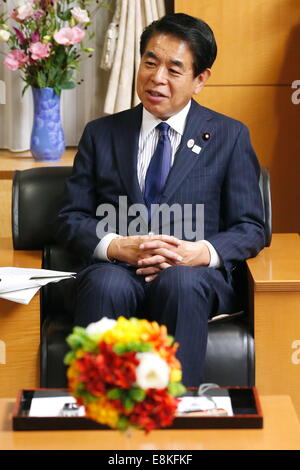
106	370
89	374
156	411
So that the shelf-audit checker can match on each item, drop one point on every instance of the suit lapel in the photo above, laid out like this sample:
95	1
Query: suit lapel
186	157
126	140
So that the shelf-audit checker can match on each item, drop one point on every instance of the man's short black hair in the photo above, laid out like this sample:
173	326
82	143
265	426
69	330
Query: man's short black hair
195	32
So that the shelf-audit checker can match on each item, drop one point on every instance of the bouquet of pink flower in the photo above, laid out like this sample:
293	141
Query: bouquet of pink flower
46	40
125	373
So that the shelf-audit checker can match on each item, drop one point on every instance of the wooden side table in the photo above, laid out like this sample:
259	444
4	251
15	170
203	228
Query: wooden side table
19	329
9	163
281	431
275	281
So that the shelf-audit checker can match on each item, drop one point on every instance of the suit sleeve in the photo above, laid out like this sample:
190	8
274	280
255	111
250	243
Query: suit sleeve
76	223
242	233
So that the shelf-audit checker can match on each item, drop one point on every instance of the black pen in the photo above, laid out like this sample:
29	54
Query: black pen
48	277
42	277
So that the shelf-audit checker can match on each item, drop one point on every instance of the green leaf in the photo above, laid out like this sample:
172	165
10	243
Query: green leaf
67	85
57	90
137	394
176	389
145	347
86	396
69	357
53	75
128	404
114	394
78	338
171	340
25	88
41	79
122	423
63	15
60	56
120	348
133	346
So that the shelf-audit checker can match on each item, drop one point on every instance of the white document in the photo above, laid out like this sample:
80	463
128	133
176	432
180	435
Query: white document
52	406
194	404
21	284
22	296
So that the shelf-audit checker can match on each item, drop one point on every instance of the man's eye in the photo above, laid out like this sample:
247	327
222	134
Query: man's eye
150	64
174	72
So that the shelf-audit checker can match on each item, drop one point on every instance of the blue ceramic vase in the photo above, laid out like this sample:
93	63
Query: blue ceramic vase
47	137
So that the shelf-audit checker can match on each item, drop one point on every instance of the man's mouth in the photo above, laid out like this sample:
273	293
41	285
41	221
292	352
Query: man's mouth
155	94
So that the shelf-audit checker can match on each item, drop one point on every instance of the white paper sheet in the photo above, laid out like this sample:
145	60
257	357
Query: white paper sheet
22	296
194	404
21	284
51	406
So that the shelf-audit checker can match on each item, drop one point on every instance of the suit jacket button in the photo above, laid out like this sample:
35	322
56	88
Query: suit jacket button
206	136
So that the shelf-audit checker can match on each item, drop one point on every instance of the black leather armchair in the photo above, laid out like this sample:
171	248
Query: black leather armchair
37	195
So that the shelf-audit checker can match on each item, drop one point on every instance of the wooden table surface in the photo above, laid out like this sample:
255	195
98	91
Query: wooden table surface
11	161
281	431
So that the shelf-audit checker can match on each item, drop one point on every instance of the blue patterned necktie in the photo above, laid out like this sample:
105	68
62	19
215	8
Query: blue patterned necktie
159	167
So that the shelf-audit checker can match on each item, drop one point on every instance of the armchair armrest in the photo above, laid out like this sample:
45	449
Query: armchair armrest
277	268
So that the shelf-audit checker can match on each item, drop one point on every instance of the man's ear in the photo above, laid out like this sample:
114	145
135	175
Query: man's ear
201	80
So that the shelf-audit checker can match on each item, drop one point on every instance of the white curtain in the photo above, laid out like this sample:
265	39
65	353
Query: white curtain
121	52
2	92
78	106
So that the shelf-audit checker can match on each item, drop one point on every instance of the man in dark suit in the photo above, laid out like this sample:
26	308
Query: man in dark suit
180	281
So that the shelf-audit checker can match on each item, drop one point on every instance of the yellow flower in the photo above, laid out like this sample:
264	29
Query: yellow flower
73	376
80	353
103	412
133	329
46	39
124	331
175	375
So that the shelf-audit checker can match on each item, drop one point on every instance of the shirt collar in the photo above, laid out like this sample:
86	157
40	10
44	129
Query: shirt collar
177	121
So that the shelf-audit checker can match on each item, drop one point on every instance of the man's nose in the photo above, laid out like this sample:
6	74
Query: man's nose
159	75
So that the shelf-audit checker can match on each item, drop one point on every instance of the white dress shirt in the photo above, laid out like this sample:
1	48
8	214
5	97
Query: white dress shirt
148	140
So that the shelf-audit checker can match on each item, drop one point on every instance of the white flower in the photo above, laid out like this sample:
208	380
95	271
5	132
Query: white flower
81	16
25	11
4	35
152	371
97	329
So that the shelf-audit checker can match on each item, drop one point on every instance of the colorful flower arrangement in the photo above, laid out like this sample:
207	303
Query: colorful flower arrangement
45	39
125	373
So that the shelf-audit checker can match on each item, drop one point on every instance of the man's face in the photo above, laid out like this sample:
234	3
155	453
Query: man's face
166	81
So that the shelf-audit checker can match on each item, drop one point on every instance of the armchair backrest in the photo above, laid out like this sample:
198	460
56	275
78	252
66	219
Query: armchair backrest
265	188
37	197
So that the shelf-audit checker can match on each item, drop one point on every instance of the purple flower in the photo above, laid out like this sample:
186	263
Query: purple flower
36	36
20	36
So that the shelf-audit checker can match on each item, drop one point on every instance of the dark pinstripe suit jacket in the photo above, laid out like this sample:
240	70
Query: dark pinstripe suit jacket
223	176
